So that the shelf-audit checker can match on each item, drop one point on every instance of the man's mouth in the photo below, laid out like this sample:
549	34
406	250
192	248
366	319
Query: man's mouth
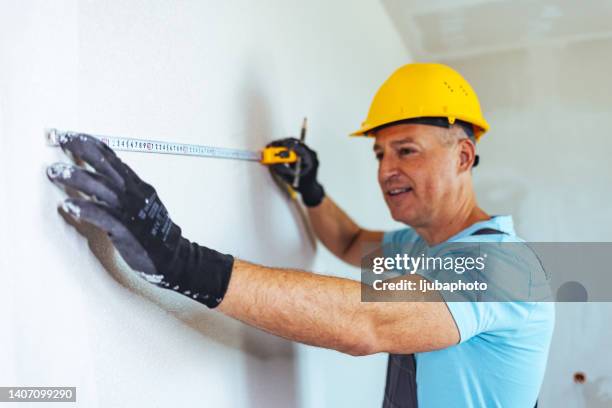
398	191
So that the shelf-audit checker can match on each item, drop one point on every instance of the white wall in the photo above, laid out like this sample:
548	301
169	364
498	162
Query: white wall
234	74
547	161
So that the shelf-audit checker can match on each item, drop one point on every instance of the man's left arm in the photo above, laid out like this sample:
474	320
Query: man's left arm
318	310
328	312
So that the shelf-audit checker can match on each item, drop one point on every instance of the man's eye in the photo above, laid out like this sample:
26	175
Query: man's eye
405	151
379	156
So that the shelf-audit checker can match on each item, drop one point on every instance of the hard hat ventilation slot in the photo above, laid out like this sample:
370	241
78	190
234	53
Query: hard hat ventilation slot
449	87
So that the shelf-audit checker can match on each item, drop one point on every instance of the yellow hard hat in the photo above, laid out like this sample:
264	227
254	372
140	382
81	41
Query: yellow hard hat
423	90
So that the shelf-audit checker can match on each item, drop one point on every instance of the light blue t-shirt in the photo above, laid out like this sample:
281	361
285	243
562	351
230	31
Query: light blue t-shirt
501	357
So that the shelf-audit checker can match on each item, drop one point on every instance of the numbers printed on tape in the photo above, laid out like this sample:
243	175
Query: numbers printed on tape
156	146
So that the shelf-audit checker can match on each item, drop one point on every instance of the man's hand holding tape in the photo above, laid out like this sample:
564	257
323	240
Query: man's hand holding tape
310	189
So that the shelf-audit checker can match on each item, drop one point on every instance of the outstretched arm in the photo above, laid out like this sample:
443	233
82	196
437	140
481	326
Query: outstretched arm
328	312
318	310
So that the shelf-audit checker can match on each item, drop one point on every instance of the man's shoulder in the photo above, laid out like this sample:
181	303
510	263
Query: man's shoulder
406	235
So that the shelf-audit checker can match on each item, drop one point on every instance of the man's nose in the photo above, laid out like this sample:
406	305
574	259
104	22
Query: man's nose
388	169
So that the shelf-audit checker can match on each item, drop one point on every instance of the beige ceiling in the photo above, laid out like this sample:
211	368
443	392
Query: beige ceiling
447	29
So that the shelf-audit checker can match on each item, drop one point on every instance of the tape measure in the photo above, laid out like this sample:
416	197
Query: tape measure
269	155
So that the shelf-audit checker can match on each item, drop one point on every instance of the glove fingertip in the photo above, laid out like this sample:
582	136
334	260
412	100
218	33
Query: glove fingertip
274	143
94	213
282	170
286	142
59	170
72	207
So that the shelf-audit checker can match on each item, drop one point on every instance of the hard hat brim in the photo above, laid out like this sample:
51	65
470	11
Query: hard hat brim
479	128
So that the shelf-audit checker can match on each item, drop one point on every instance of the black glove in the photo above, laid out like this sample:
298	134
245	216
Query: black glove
138	224
309	188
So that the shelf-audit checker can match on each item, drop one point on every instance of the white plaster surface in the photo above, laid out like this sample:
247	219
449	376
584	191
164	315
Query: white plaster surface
233	74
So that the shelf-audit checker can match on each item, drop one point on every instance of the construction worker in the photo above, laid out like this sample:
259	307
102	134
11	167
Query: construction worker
425	121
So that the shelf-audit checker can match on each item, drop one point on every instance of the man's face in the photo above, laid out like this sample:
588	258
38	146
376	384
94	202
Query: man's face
418	173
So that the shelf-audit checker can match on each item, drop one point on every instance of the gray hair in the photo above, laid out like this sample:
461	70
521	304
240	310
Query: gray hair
454	133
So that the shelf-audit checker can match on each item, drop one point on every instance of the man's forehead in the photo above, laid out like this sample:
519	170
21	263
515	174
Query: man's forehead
380	143
403	133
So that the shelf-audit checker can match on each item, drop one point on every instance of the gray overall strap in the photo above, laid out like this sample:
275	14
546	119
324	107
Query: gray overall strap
401	386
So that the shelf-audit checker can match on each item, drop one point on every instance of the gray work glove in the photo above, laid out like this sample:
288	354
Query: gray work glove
137	222
309	188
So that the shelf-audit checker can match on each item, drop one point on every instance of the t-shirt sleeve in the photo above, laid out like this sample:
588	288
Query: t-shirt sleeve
474	318
400	237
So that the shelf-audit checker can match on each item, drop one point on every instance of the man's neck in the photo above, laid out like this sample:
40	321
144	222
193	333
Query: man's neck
453	223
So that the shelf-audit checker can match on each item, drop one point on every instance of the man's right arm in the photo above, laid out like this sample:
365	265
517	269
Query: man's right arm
339	233
333	227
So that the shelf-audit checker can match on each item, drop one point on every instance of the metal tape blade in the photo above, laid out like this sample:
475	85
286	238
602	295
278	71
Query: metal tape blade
161	147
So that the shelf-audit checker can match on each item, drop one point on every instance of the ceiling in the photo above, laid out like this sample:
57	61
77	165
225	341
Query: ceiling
448	29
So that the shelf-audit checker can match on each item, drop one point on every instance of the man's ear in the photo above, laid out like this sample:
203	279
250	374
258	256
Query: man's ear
467	154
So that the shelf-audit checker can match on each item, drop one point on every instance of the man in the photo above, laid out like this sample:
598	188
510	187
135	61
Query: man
425	120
